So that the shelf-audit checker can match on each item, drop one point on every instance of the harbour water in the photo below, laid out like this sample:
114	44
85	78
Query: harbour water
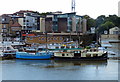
112	46
59	70
115	49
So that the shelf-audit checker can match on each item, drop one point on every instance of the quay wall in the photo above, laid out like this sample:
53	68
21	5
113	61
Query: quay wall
110	36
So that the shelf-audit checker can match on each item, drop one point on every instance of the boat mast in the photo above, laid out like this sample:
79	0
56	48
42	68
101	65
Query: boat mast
46	41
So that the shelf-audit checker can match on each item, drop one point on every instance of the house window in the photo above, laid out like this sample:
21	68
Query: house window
115	32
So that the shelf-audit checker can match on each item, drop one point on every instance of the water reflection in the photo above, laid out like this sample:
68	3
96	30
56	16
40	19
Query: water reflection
59	70
35	63
79	63
114	49
59	63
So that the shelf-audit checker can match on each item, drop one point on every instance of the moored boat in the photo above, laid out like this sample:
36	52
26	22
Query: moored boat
32	54
8	52
87	54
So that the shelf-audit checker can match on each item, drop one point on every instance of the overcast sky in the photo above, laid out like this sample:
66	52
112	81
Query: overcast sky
93	8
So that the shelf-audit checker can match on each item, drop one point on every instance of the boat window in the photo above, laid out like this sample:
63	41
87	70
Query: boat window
63	54
88	55
62	46
57	47
78	51
73	46
87	50
54	38
90	50
67	46
95	50
95	55
67	54
8	48
42	38
60	38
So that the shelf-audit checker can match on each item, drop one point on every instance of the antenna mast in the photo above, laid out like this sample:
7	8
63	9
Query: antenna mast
73	5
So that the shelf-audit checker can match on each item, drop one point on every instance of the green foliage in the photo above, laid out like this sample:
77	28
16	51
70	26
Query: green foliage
90	23
106	26
87	47
86	17
100	20
105	23
45	13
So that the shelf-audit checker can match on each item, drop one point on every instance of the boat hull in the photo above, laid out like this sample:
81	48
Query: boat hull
103	57
8	56
28	56
82	58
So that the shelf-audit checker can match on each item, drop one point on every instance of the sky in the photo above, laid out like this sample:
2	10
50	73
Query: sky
93	8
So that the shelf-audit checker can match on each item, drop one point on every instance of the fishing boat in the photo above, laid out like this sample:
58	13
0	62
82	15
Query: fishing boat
86	54
33	54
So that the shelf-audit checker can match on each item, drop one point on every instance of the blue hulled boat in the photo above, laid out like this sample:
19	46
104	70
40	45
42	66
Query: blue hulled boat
34	55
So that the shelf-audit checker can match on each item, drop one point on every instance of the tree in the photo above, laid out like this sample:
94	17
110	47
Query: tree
90	22
100	20
106	26
45	13
113	19
117	22
86	17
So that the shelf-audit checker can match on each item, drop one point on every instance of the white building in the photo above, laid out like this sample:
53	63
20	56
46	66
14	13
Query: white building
92	29
114	30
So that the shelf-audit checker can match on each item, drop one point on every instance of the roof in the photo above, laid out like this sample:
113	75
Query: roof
24	11
16	24
5	15
114	28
